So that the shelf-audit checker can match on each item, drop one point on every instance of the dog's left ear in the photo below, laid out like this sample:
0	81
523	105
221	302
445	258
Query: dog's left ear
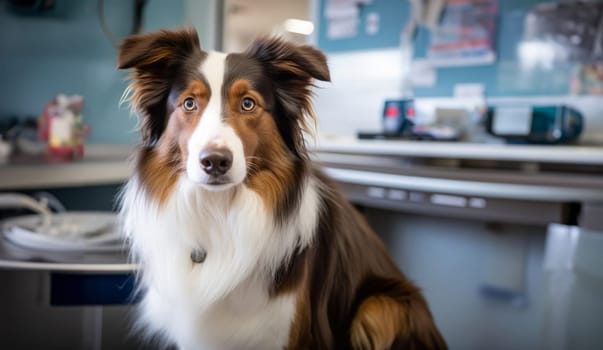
292	68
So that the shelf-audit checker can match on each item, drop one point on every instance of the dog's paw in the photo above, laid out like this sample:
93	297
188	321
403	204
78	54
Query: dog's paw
377	324
383	323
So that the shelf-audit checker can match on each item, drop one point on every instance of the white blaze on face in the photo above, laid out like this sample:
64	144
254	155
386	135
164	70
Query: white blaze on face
212	131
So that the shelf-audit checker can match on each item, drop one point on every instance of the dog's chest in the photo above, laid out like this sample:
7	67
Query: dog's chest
222	302
246	319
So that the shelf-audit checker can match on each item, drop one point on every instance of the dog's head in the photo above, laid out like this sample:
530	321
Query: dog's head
221	118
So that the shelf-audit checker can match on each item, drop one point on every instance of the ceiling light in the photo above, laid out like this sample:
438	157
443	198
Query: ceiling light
299	26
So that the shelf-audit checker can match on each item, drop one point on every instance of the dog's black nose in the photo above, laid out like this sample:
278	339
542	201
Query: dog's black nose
216	161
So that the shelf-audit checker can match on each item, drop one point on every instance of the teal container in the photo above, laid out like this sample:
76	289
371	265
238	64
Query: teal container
546	125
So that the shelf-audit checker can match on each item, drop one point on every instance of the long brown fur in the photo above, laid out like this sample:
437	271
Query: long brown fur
350	293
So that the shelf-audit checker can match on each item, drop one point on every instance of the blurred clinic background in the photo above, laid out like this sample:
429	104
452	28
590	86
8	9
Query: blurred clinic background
468	132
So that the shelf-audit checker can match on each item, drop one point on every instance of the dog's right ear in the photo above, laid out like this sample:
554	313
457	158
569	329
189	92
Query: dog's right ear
158	49
155	59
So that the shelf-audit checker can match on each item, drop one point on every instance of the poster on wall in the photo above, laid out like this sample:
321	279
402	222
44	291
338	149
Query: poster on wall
569	31
570	34
466	34
343	18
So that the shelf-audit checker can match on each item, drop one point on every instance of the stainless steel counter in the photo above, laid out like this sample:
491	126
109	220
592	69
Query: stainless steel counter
526	153
501	183
552	183
109	163
15	257
102	164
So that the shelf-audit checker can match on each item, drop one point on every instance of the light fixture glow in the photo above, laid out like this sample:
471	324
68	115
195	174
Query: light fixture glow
299	26
541	54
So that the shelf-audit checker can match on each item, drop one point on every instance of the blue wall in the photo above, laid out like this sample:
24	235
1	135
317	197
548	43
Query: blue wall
393	14
65	51
500	79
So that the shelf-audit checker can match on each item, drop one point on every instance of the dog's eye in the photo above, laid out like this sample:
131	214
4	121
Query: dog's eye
247	104
189	105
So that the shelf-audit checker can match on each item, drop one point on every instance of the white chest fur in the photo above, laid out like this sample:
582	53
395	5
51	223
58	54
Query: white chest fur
222	303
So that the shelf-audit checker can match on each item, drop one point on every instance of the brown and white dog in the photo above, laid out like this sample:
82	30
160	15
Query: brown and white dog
243	243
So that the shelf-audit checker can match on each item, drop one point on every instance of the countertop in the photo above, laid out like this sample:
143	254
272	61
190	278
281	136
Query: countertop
107	164
529	184
102	164
591	155
533	185
514	172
